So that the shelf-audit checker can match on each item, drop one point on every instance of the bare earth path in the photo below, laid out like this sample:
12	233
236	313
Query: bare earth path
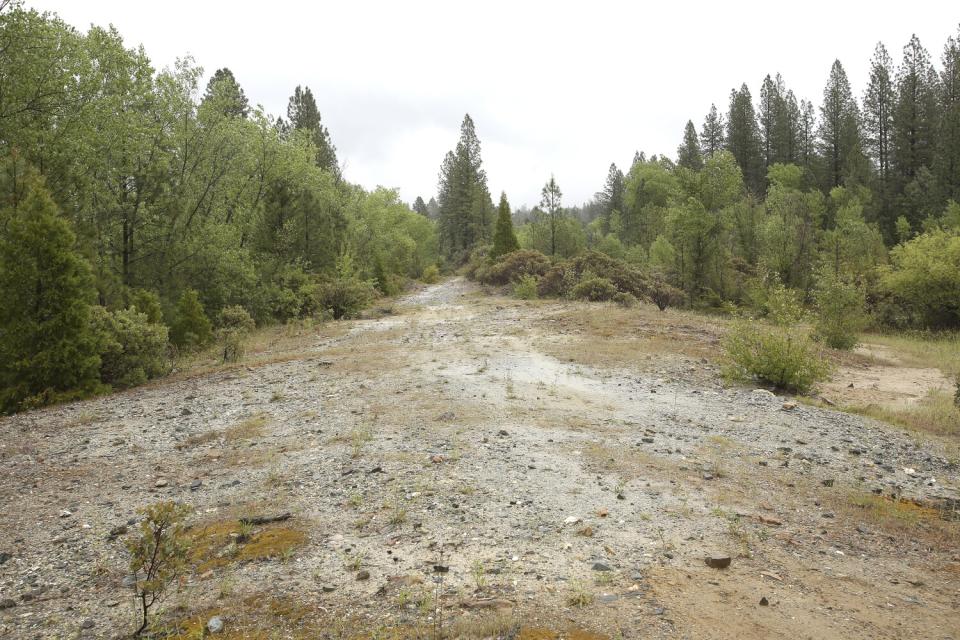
476	466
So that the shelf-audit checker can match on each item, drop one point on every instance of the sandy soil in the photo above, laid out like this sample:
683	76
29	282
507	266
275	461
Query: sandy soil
483	467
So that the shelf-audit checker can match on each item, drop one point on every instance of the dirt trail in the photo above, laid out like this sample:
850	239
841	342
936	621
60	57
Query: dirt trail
438	459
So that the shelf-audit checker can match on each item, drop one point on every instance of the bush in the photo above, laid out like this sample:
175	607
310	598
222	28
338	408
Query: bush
778	304
132	349
785	357
147	302
235	325
664	295
840	313
345	297
430	275
564	277
526	288
512	267
924	277
625	300
594	289
190	328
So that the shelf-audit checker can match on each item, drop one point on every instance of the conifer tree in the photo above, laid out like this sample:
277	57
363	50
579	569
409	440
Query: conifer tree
688	153
806	136
743	141
611	198
48	351
420	207
191	327
224	91
504	239
465	209
303	115
878	103
915	115
767	116
948	153
839	132
713	132
550	197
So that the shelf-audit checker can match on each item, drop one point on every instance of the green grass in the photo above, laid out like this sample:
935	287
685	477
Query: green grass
941	351
935	414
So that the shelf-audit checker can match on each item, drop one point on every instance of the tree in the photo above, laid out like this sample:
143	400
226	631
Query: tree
465	213
767	118
806	136
688	153
304	116
611	198
839	132
742	139
947	160
878	103
713	132
226	95
421	207
190	327
550	203
504	239
47	349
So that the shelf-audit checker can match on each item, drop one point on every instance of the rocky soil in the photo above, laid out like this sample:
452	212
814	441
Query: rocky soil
460	466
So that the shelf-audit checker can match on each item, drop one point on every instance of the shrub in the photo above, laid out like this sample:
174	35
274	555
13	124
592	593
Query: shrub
564	277
663	294
430	275
625	300
924	277
777	303
513	266
147	302
479	258
235	325
526	288
784	357
132	349
345	297
840	313
594	289
190	328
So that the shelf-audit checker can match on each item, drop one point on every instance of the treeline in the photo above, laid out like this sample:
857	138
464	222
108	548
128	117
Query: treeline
858	198
136	208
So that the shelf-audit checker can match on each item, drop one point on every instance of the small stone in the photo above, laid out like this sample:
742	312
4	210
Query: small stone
502	433
773	522
66	513
717	562
708	476
441	568
195	485
87	624
571	520
599	566
215	624
4	556
363	575
7	603
828	482
789	406
436	459
160	483
186	412
764	602
446	416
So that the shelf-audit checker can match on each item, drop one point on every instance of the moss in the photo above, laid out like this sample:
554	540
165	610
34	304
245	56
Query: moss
222	543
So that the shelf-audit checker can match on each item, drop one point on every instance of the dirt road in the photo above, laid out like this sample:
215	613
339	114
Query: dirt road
481	466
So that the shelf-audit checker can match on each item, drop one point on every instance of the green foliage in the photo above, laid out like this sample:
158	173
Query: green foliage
504	239
132	349
190	328
158	554
430	275
47	350
924	277
784	357
594	289
147	302
465	215
774	301
663	294
840	312
512	267
234	327
526	287
345	296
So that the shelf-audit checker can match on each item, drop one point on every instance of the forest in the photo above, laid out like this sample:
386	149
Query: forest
144	216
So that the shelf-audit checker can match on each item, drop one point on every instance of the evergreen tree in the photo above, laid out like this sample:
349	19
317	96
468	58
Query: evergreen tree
433	209
421	207
712	133
878	103
611	198
806	136
948	154
191	327
465	211
224	92
839	132
550	203
787	123
303	115
504	239
688	153
767	119
743	141
48	351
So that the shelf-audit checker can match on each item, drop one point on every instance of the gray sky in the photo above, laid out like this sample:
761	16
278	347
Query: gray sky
552	87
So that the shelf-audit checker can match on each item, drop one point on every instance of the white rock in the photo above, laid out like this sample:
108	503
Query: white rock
571	520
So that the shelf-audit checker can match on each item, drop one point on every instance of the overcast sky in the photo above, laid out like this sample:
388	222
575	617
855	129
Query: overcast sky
553	87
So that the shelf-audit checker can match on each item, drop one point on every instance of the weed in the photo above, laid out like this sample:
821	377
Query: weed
579	596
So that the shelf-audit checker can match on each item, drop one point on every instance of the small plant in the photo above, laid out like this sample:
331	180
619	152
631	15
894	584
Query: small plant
781	356
594	289
158	554
430	275
354	561
479	573
526	287
579	596
840	313
235	325
359	437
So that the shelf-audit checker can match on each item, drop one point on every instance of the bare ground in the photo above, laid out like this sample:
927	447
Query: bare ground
476	466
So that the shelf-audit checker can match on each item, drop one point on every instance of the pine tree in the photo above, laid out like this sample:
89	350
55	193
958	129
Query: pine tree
743	141
806	136
712	134
611	198
839	133
191	327
878	102
421	207
947	163
47	349
767	114
504	239
303	115
466	212
228	96
688	153
550	197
